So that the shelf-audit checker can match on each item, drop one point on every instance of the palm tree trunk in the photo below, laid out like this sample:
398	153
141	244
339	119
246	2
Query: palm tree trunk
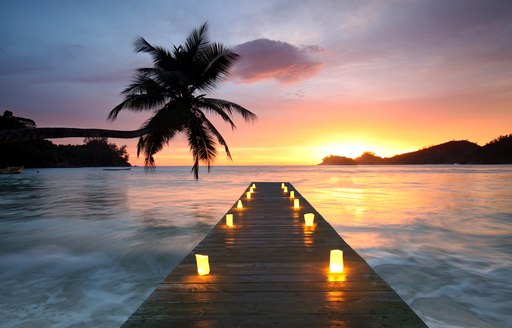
54	133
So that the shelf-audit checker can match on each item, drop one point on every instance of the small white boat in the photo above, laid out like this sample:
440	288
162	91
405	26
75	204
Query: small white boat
118	169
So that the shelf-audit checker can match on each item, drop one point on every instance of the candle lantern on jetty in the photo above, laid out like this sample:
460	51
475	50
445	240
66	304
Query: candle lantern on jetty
336	262
292	194
248	195
296	203
203	266
229	220
239	204
308	219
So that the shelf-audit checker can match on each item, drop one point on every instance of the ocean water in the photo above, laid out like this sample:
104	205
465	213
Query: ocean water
84	247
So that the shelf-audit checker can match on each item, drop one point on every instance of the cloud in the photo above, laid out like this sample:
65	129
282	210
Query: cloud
263	59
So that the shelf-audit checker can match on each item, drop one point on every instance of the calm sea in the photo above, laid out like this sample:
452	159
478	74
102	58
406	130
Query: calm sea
84	247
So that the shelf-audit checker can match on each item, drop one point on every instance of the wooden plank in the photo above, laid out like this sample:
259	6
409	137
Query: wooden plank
270	270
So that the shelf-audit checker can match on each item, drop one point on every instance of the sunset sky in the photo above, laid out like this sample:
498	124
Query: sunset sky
324	77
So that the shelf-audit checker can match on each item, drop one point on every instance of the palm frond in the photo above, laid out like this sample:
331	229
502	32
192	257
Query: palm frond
213	108
137	103
142	94
229	107
143	83
220	139
167	79
201	144
161	57
197	39
217	60
163	126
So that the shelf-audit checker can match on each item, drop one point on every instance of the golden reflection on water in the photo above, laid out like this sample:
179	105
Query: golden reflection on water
364	202
367	239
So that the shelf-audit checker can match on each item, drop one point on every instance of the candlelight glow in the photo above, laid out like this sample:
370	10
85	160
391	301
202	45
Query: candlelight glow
336	262
253	186
292	194
296	203
229	220
203	266
248	195
309	219
285	189
282	185
239	204
337	277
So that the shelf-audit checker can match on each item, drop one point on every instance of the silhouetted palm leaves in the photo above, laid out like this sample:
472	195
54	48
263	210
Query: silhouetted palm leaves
174	88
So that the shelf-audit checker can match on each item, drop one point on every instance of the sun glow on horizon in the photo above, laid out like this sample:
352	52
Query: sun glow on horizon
295	155
354	149
351	149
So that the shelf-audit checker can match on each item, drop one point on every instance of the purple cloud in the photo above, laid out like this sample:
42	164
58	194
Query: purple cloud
263	59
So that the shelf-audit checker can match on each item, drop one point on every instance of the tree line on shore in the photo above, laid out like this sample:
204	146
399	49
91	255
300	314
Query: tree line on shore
497	151
43	153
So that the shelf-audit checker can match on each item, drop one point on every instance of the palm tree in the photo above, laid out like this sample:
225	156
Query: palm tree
174	89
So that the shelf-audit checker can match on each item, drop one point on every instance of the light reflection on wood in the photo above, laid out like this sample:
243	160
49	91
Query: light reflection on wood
337	277
307	237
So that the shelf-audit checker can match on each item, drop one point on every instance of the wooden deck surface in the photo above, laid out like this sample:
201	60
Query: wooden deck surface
269	270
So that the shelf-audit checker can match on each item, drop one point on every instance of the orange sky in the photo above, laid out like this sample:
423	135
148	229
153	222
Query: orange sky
324	78
303	132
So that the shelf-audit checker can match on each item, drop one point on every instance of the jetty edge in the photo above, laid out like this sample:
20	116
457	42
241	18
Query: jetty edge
269	270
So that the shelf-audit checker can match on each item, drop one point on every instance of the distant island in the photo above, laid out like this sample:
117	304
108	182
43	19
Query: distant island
95	152
497	151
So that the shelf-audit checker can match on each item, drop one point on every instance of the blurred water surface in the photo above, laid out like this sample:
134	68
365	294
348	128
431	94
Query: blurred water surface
84	247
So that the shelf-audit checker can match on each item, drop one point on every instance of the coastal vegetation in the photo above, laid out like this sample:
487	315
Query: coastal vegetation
497	151
43	153
94	152
174	90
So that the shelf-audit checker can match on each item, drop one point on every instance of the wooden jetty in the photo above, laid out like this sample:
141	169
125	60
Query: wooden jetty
269	270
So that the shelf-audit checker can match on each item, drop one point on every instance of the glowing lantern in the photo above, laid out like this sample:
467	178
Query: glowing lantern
248	195
282	185
253	186
296	203
336	263
251	189
229	220
285	189
239	204
203	267
292	194
309	218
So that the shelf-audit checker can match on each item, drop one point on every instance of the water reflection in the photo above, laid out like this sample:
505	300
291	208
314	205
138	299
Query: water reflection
430	232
